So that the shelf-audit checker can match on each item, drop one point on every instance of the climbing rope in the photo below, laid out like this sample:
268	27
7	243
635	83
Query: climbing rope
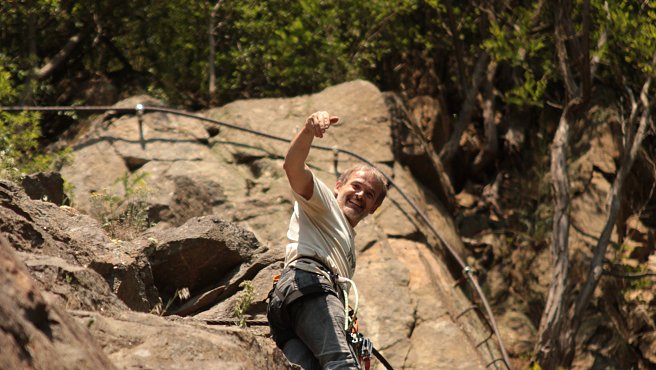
467	271
347	318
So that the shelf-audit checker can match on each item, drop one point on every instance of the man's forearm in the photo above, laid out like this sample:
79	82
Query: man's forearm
298	151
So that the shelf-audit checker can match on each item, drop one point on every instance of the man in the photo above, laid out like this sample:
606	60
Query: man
305	311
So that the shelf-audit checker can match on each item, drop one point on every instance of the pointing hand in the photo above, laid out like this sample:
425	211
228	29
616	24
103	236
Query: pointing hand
319	122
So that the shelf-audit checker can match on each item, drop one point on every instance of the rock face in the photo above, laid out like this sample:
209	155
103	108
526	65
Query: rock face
137	340
220	204
67	303
36	334
61	244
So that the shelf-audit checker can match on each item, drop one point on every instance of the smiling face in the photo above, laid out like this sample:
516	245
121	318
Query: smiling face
359	196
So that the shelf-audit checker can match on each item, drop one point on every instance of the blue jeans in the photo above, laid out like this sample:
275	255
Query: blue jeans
309	328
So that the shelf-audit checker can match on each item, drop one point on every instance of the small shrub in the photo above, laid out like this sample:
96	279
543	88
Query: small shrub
124	216
182	294
244	302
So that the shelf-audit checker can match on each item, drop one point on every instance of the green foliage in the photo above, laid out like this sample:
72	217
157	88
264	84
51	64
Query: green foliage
19	137
643	284
263	48
273	48
282	48
123	216
514	42
536	366
531	92
244	302
631	37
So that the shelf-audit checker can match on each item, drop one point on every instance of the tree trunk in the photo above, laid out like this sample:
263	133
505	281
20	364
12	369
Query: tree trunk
562	318
490	147
549	349
212	54
561	34
555	344
585	53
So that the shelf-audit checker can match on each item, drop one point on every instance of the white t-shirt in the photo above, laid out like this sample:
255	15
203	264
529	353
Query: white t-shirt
319	230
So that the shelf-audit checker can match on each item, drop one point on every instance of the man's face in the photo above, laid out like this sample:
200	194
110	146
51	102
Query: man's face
358	197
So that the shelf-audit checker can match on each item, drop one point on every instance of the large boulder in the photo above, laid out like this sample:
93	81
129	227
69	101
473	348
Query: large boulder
359	104
199	254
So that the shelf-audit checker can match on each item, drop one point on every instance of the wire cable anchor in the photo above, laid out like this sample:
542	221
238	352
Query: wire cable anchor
139	108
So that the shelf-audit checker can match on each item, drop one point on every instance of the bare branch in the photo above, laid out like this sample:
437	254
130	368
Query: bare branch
450	148
638	275
601	42
59	58
563	60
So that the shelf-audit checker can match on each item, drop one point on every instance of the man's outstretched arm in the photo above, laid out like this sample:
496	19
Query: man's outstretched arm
298	174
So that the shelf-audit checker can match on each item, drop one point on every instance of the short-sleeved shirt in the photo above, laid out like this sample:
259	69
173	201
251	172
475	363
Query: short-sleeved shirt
319	231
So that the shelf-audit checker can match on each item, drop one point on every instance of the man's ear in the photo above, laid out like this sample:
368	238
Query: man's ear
338	184
379	202
374	209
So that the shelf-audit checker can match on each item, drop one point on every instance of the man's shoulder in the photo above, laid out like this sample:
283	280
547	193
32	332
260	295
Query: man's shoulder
320	184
